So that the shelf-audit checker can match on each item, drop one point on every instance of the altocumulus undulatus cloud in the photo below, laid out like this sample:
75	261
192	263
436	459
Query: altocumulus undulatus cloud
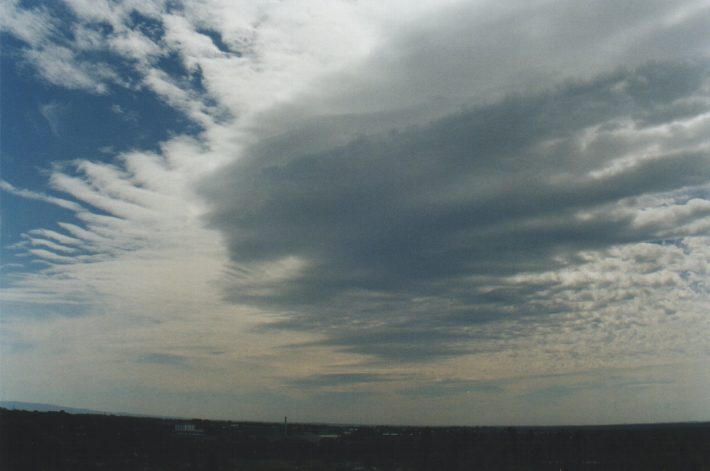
389	206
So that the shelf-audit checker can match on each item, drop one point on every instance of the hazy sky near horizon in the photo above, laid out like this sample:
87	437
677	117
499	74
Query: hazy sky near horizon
439	212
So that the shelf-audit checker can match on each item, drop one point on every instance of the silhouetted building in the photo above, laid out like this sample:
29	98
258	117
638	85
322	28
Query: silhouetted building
187	429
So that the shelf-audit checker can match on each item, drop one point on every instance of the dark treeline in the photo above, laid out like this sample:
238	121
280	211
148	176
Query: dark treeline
60	441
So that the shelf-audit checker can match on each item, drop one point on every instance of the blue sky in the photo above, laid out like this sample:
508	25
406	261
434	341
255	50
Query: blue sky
44	123
459	212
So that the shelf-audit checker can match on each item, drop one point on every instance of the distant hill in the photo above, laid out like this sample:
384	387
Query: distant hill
39	407
33	406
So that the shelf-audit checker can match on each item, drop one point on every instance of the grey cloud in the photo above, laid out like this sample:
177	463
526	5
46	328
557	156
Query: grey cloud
164	359
404	344
553	394
477	52
405	225
336	379
422	387
453	387
562	392
645	383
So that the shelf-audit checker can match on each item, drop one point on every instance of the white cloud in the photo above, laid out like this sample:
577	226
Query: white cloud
50	245
61	238
33	195
55	114
134	45
58	65
32	26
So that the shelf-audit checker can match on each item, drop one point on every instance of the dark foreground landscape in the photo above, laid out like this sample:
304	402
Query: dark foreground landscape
62	441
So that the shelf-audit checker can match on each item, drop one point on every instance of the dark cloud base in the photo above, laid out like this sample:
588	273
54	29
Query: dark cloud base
399	230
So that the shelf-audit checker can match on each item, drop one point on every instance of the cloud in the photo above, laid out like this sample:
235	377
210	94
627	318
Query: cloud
454	387
413	206
54	113
58	65
268	51
164	359
128	116
398	229
32	26
476	52
34	195
335	380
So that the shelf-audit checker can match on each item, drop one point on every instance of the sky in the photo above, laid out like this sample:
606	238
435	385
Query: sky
357	211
